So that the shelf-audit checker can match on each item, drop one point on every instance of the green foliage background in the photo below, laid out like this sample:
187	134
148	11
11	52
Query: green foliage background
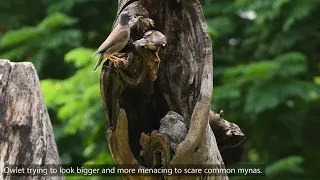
266	74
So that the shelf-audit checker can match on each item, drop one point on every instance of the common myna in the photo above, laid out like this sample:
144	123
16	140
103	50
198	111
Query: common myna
115	42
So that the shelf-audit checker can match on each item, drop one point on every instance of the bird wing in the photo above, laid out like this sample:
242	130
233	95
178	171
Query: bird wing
116	36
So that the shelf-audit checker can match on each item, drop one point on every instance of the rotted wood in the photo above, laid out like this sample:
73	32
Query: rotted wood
26	135
228	134
158	114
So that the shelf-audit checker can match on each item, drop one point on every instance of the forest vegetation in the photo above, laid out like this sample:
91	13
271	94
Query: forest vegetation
266	59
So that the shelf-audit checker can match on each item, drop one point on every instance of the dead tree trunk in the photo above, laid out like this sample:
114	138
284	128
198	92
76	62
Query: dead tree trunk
158	116
26	136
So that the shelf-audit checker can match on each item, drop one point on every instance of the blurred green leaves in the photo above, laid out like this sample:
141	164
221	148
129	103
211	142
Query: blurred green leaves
299	10
35	43
266	82
267	78
80	56
77	102
291	164
55	21
63	6
15	37
221	25
77	97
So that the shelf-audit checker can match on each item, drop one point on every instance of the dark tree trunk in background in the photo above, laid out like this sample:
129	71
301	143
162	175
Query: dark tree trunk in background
160	117
26	135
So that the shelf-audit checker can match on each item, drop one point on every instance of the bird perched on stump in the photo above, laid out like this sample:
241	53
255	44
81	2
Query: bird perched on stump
152	40
115	42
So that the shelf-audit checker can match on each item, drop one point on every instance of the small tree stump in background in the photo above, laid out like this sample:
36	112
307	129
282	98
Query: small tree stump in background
26	135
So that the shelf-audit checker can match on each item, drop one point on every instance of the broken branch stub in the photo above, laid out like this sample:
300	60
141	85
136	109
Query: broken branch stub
158	114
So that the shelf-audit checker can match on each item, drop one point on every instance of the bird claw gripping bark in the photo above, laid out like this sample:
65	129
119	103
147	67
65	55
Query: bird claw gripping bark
116	60
115	42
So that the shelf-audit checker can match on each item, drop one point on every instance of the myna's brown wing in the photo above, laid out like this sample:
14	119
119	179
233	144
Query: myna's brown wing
119	34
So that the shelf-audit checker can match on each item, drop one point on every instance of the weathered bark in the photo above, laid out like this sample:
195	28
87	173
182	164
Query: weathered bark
228	134
163	120
26	136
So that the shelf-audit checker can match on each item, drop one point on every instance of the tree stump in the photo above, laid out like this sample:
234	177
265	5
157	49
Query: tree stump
158	114
26	136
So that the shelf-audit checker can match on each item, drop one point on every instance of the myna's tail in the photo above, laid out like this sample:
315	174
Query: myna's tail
97	52
98	63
